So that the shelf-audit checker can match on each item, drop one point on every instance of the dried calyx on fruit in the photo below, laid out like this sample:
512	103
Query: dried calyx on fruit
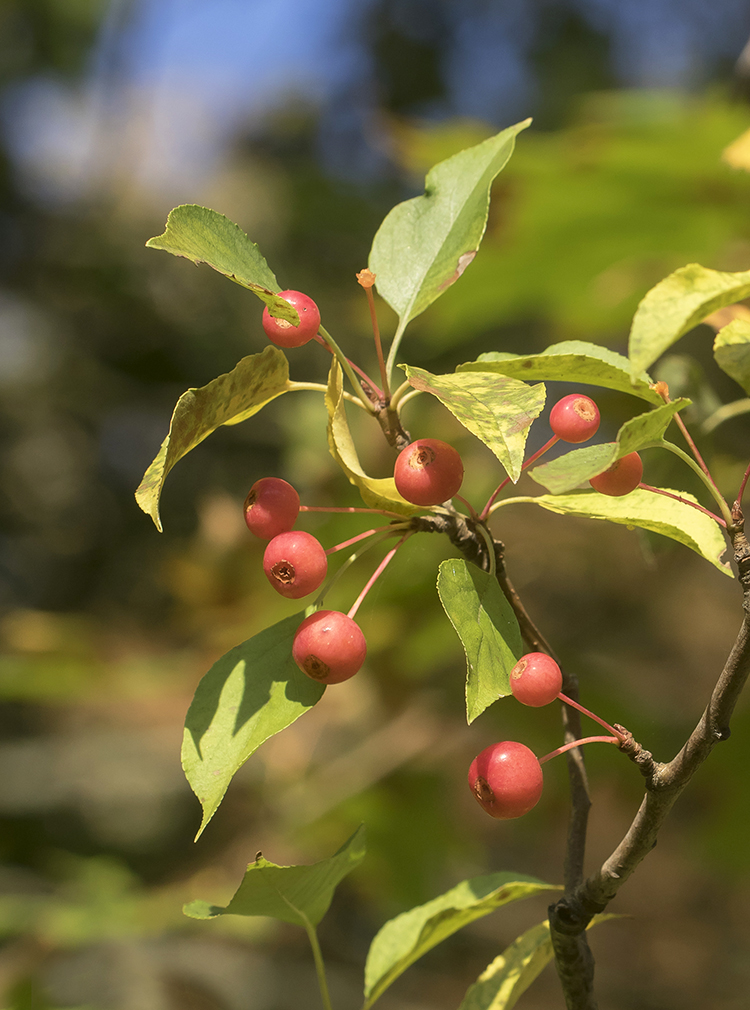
329	647
622	477
271	507
428	472
506	779
286	334
575	418
295	564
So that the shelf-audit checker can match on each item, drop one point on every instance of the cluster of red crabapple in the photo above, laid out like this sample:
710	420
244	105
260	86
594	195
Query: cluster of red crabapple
329	647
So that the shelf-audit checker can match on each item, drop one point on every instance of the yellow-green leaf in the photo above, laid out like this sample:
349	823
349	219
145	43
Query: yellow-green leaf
676	305
377	492
229	399
732	351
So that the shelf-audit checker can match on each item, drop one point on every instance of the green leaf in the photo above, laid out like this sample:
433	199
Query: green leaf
649	511
376	492
488	629
410	935
229	399
203	236
425	244
495	408
247	696
579	465
507	978
298	894
569	361
732	351
676	305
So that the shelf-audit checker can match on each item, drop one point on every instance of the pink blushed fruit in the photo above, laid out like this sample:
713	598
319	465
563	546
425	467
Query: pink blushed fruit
536	679
622	477
575	418
271	507
506	779
295	564
329	647
428	472
286	334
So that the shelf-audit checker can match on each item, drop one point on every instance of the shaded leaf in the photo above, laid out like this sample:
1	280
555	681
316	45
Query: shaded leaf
578	465
425	244
410	935
507	978
376	492
298	894
229	399
488	629
204	236
497	409
649	511
676	305
251	693
569	361
732	351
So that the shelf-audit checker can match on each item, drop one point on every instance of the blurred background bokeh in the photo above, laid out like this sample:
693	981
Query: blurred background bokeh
305	121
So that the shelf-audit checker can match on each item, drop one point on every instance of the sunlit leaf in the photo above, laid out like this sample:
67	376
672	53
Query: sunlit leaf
497	409
229	399
377	492
507	978
569	361
579	465
487	627
425	244
649	511
732	351
410	935
203	236
676	305
297	894
247	696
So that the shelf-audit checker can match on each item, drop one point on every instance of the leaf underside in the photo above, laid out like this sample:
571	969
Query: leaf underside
732	351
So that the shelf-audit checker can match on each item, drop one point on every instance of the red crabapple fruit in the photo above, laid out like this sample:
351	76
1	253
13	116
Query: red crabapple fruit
285	334
575	418
428	472
295	564
506	779
271	507
622	477
536	679
329	647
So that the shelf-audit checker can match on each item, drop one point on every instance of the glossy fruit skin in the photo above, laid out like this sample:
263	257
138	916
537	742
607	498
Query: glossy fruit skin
506	779
428	472
622	477
271	507
536	679
575	418
295	564
285	334
329	647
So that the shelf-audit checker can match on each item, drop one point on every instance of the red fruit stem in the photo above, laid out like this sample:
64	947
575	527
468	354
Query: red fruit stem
663	390
325	338
575	704
337	508
375	575
345	565
685	501
742	485
378	346
354	540
532	459
469	506
577	743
